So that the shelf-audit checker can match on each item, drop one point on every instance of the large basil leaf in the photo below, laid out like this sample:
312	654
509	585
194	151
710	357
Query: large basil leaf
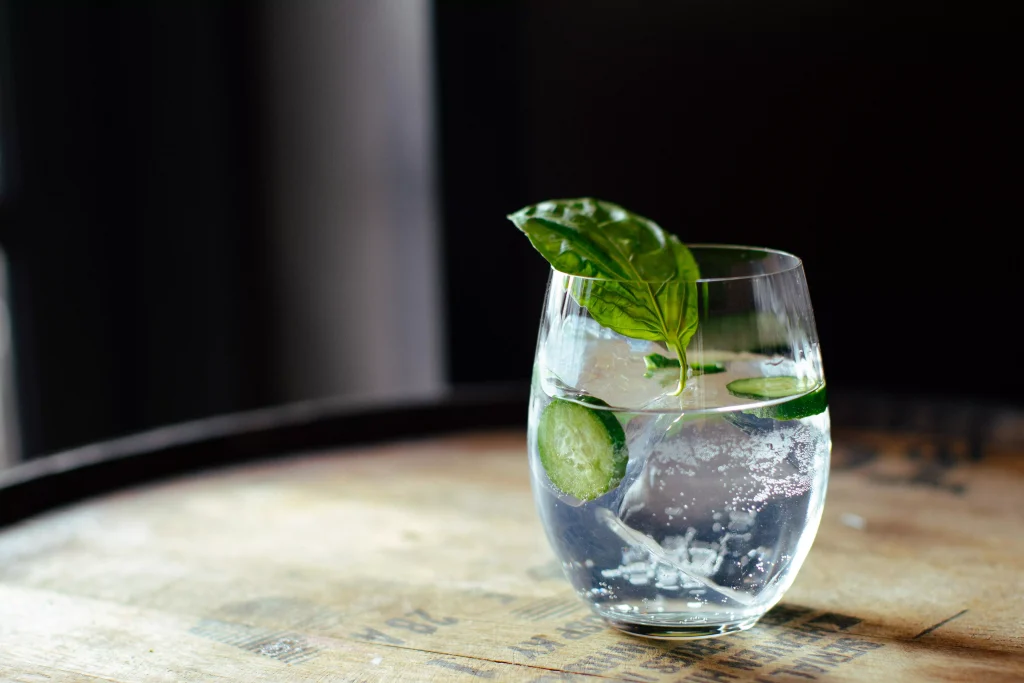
644	282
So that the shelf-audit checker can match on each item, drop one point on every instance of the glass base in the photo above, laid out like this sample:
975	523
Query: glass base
677	629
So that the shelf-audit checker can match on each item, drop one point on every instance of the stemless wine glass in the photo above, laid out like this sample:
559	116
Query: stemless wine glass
683	514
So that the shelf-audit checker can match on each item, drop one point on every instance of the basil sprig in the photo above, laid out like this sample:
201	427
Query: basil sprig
644	282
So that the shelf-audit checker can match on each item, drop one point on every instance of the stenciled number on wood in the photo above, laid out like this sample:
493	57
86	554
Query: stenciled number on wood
582	628
416	621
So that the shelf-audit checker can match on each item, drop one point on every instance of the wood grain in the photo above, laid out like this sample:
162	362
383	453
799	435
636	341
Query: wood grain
424	561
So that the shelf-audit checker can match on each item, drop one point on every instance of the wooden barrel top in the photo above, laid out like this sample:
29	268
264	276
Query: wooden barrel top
423	560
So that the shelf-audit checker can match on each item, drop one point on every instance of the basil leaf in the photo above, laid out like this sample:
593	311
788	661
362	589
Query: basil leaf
644	282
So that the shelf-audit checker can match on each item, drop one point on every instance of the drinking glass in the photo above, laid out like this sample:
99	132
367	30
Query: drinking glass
683	514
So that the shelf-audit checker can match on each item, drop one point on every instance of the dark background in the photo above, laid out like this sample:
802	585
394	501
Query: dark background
879	142
132	217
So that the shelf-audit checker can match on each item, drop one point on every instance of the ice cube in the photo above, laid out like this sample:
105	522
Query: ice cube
562	355
644	435
659	555
750	424
613	370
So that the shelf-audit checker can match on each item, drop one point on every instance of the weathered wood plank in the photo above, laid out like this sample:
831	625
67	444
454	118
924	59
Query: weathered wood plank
424	561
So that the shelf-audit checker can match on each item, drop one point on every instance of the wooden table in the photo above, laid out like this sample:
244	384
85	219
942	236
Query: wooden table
422	559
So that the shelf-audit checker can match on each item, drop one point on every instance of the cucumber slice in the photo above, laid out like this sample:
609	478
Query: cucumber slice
809	404
622	417
708	368
583	450
656	361
766	388
590	400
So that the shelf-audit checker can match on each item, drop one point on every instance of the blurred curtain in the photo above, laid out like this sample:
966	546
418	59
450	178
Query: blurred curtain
354	250
215	207
10	441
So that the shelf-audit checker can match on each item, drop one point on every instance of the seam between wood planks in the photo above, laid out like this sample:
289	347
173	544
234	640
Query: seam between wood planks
477	658
77	674
940	624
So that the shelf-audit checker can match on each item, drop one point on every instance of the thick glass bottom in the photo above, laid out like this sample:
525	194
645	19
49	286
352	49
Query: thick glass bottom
677	627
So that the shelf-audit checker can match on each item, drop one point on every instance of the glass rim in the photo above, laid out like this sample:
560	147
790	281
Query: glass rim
795	264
